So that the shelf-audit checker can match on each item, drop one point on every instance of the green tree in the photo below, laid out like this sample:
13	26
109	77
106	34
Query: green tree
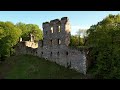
35	30
76	41
9	37
10	34
25	31
30	28
81	33
104	39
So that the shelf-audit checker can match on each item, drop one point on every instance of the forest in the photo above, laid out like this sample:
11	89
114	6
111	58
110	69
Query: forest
104	42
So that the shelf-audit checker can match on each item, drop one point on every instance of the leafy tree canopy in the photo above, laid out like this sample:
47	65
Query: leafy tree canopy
104	38
10	34
30	28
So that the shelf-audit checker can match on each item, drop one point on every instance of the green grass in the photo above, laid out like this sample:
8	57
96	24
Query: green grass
31	67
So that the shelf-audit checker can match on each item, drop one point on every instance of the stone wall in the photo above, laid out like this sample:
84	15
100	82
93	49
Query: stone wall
26	47
31	44
55	46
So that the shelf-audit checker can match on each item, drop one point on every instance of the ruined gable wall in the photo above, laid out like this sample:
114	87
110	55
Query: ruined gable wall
26	47
61	53
31	44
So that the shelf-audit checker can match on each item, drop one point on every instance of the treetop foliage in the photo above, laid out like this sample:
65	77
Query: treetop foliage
104	38
10	34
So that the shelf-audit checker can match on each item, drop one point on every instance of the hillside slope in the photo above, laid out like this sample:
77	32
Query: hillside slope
31	67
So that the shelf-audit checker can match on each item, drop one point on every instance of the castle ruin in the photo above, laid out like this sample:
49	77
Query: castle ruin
55	46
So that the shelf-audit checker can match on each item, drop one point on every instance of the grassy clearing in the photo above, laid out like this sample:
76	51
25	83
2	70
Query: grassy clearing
31	67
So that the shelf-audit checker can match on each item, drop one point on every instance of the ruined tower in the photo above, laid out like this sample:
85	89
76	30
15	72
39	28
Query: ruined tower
66	30
56	32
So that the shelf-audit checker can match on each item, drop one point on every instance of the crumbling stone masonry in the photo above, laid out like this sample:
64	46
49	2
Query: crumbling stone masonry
55	46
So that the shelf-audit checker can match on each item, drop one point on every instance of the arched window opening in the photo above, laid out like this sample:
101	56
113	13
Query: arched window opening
42	43
66	53
51	29
51	42
59	29
59	41
58	53
46	32
51	54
